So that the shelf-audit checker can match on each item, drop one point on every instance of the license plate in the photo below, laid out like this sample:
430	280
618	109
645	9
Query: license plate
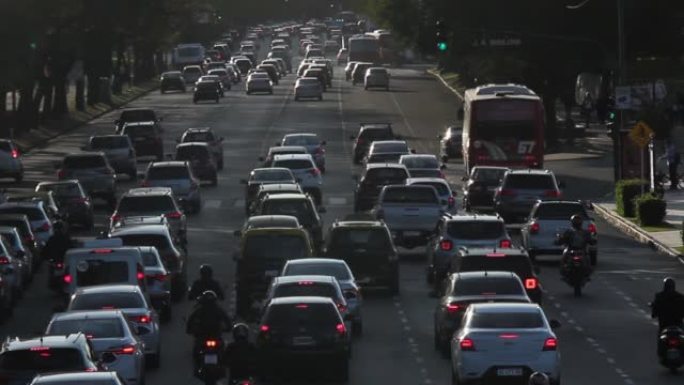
271	273
411	233
509	372
303	341
211	359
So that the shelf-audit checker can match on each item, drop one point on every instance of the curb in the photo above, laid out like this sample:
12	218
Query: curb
634	231
55	133
436	74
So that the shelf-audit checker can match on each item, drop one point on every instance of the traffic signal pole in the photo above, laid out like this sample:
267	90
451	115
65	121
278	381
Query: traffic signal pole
617	138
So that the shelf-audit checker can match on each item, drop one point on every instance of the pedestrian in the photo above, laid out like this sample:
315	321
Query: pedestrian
673	160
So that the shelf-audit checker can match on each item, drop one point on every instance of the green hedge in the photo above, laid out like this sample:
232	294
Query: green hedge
625	192
650	209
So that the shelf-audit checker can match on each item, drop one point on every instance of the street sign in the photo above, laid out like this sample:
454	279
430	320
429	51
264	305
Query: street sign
641	134
623	98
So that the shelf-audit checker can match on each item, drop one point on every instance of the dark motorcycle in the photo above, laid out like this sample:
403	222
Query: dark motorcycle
575	270
671	348
210	360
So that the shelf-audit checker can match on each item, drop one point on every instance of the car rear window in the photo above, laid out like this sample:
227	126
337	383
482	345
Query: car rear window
146	204
93	328
33	213
529	182
138	116
67	190
303	140
374	134
559	211
80	162
441	188
45	359
488	175
272	175
518	264
218	72
161	242
307	315
506	320
150	259
190	152
98	301
380	148
21	226
275	246
192	70
294	164
198	137
105	142
176	172
420	162
473	230
371	239
337	270
489	286
409	195
144	131
305	289
308	81
386	175
93	272
300	208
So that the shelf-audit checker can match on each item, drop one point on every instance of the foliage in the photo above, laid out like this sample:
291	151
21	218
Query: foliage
650	209
625	192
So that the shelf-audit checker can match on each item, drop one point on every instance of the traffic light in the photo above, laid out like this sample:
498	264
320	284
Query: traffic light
441	36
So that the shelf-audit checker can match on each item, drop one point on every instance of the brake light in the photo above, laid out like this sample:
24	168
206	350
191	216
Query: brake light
508	336
341	329
495	255
264	328
315	172
59	265
211	343
44	227
446	245
140	275
40	348
305	283
159	277
115	218
550	344
531	283
129	349
451	202
552	193
4	260
174	215
101	251
507	192
591	228
534	228
67	278
61	174
15	154
673	342
302	306
467	344
144	184
453	307
505	244
141	319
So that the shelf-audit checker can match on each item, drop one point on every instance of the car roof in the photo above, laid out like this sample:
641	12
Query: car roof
87	314
46	378
288	148
427	180
529	171
197	129
105	289
305	261
503	252
300	134
60	341
477	217
58	182
192	144
485	274
370	166
142	229
280	187
88	154
308	277
380	142
169	163
560	202
145	191
412	156
292	157
491	168
131	124
359	224
8	229
287	196
504	307
278	220
301	299
22	204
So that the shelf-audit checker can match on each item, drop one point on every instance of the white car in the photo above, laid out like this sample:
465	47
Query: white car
259	82
135	305
305	170
504	341
108	332
376	77
10	161
308	88
446	196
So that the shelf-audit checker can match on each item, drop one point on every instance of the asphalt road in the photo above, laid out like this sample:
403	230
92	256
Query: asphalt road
607	336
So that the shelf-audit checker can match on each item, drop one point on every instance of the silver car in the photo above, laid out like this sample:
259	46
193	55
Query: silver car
12	269
305	170
21	253
422	166
376	77
135	306
10	161
446	196
340	270
37	215
119	151
308	88
178	176
521	189
281	150
94	173
108	331
314	145
71	378
158	280
386	151
259	82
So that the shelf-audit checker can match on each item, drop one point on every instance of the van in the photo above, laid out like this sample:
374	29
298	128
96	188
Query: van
103	266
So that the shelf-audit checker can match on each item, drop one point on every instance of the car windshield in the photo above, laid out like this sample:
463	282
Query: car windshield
559	211
442	189
506	320
93	328
488	175
518	264
386	175
305	289
272	175
178	172
192	152
33	213
337	270
198	137
420	162
46	359
294	164
93	272
146	204
98	301
275	246
307	315
529	182
409	195
300	208
488	286
370	239
107	142
83	162
475	230
161	242
138	116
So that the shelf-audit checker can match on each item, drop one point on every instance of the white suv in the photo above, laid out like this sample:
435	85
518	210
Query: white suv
305	171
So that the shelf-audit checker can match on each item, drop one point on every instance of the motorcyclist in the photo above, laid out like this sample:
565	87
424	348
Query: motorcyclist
538	378
668	306
576	238
207	321
58	244
241	356
205	282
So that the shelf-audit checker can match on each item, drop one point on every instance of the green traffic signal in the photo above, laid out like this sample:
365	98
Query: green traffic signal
442	46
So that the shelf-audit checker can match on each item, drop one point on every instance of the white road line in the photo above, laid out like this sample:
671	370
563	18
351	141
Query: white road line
212	204
337	201
239	203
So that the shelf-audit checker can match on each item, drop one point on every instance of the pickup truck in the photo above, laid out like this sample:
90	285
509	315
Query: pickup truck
410	212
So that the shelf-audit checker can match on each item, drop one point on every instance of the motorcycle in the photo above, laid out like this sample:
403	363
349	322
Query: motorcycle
574	269
210	357
671	348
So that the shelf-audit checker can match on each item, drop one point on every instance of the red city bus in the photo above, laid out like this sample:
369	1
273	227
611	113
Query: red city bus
503	125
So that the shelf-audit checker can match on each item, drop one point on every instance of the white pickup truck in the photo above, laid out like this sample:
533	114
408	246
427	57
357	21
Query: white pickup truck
410	212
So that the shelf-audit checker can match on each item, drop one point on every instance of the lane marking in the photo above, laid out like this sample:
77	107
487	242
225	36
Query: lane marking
212	204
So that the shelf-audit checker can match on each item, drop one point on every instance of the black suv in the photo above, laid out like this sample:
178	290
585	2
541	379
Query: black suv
135	115
369	133
300	206
367	247
202	161
479	188
146	137
21	360
172	80
294	330
462	289
374	178
500	259
205	135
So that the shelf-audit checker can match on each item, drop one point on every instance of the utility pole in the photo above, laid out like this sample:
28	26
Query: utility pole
617	136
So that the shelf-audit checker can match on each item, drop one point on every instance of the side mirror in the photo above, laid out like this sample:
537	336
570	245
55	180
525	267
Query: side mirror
352	137
561	184
243	181
107	357
169	156
85	148
261	159
464	178
141	175
324	142
398	137
412	150
117	122
443	167
322	210
277	144
237	233
555	324
460	114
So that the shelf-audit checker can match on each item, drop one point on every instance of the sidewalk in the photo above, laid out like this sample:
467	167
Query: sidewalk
666	238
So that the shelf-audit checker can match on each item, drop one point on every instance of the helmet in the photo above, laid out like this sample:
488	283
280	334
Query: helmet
208	297
669	284
206	271
539	378
240	332
576	221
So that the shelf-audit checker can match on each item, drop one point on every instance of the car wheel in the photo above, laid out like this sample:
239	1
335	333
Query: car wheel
593	257
152	360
